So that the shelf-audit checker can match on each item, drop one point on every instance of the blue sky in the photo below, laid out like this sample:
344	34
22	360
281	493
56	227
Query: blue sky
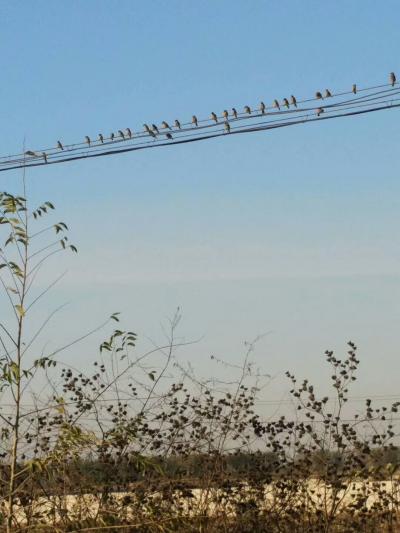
292	233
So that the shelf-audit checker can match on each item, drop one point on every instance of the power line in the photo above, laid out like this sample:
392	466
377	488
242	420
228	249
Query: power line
373	99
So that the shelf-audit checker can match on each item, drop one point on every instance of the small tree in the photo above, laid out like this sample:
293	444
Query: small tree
24	252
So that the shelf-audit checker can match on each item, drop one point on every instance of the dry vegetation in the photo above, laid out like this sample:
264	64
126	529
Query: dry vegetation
140	444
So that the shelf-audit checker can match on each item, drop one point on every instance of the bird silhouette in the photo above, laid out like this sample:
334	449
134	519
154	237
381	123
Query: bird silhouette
227	127
165	125
44	156
129	132
318	95
234	113
319	111
101	138
87	139
293	100
286	102
169	136
155	129
247	109
276	104
214	116
328	93
59	145
146	127
392	78
121	134
194	120
112	136
151	132
30	153
225	114
354	88
177	124
262	107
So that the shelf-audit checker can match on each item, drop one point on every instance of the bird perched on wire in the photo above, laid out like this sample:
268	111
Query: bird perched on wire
101	138
112	136
225	114
214	116
59	145
392	78
262	107
293	100
129	132
165	125
87	139
328	93
121	134
146	128
44	155
169	136
286	102
318	95
151	132
234	113
354	88
177	124
247	109
195	121
276	104
155	129
319	111
227	127
30	153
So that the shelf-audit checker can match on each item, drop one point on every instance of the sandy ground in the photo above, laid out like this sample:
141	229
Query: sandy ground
200	501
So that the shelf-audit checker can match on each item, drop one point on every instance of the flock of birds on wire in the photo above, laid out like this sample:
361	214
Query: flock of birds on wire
282	113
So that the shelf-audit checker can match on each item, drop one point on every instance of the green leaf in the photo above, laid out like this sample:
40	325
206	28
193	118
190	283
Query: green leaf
20	309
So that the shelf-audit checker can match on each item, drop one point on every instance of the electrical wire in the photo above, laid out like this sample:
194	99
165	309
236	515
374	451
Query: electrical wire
373	99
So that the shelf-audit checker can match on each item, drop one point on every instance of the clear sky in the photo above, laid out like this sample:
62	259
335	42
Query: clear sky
292	233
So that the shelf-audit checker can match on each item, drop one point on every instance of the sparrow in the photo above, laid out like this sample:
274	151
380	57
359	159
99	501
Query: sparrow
392	78
155	129
318	95
225	114
177	124
227	127
354	89
328	93
234	113
293	100
101	138
194	120
214	116
165	125
247	109
286	102
276	104
121	134
59	145
262	107
169	136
